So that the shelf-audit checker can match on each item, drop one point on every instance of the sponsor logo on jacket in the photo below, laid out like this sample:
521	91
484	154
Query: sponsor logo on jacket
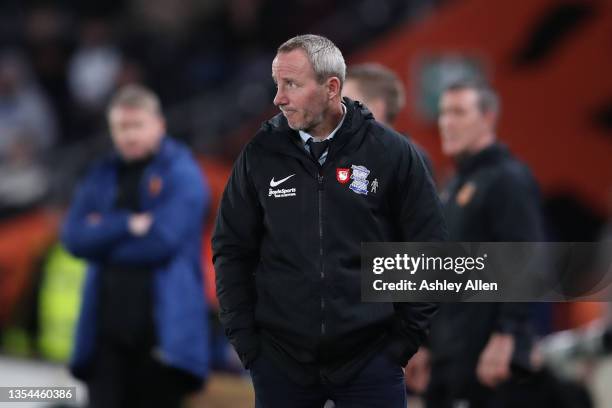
281	192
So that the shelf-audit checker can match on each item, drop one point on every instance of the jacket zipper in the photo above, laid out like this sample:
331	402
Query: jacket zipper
320	194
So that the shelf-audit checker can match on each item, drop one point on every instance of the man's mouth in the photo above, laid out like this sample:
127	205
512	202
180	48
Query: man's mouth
287	111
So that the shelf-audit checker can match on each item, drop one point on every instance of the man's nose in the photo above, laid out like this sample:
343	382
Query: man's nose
280	98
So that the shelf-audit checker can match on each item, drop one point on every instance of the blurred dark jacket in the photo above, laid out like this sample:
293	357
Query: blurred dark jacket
493	197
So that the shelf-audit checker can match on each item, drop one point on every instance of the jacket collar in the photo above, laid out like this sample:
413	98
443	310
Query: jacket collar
276	135
492	154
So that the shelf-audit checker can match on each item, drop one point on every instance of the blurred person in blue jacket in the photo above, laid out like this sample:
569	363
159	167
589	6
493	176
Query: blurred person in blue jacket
137	218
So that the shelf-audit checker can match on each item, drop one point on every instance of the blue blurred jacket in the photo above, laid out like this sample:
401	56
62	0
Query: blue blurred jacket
173	190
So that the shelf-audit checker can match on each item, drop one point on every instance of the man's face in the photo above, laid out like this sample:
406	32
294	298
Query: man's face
136	132
301	98
352	90
462	123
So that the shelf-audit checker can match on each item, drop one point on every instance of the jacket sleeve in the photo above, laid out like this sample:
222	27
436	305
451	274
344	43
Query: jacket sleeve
514	215
236	251
514	212
419	213
182	207
84	237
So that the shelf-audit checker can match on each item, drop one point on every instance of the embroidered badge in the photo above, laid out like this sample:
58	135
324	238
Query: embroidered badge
465	194
359	175
155	185
374	186
343	175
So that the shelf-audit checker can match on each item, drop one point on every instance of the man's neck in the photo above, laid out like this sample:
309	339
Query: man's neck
334	116
146	158
482	143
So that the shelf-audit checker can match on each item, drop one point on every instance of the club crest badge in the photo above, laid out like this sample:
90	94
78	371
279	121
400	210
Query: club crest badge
343	175
465	194
155	186
359	175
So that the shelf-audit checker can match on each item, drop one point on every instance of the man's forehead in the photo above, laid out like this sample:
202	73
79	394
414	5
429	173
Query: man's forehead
463	95
290	63
130	111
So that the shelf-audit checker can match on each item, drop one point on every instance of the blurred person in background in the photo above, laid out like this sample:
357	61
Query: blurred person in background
476	348
93	71
94	66
314	183
382	92
137	219
27	132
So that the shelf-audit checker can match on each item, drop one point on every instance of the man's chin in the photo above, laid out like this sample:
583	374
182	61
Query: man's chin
133	156
294	126
451	151
456	154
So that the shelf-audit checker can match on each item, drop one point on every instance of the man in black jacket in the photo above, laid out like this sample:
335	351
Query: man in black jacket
313	184
476	347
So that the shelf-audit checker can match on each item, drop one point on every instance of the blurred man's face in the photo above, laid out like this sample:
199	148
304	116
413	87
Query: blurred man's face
136	132
301	98
352	90
462	124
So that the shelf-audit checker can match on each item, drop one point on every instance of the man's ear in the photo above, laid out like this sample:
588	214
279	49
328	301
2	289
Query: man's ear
162	124
491	118
333	87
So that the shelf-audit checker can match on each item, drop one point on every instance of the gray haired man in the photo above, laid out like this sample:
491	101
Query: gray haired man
314	183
